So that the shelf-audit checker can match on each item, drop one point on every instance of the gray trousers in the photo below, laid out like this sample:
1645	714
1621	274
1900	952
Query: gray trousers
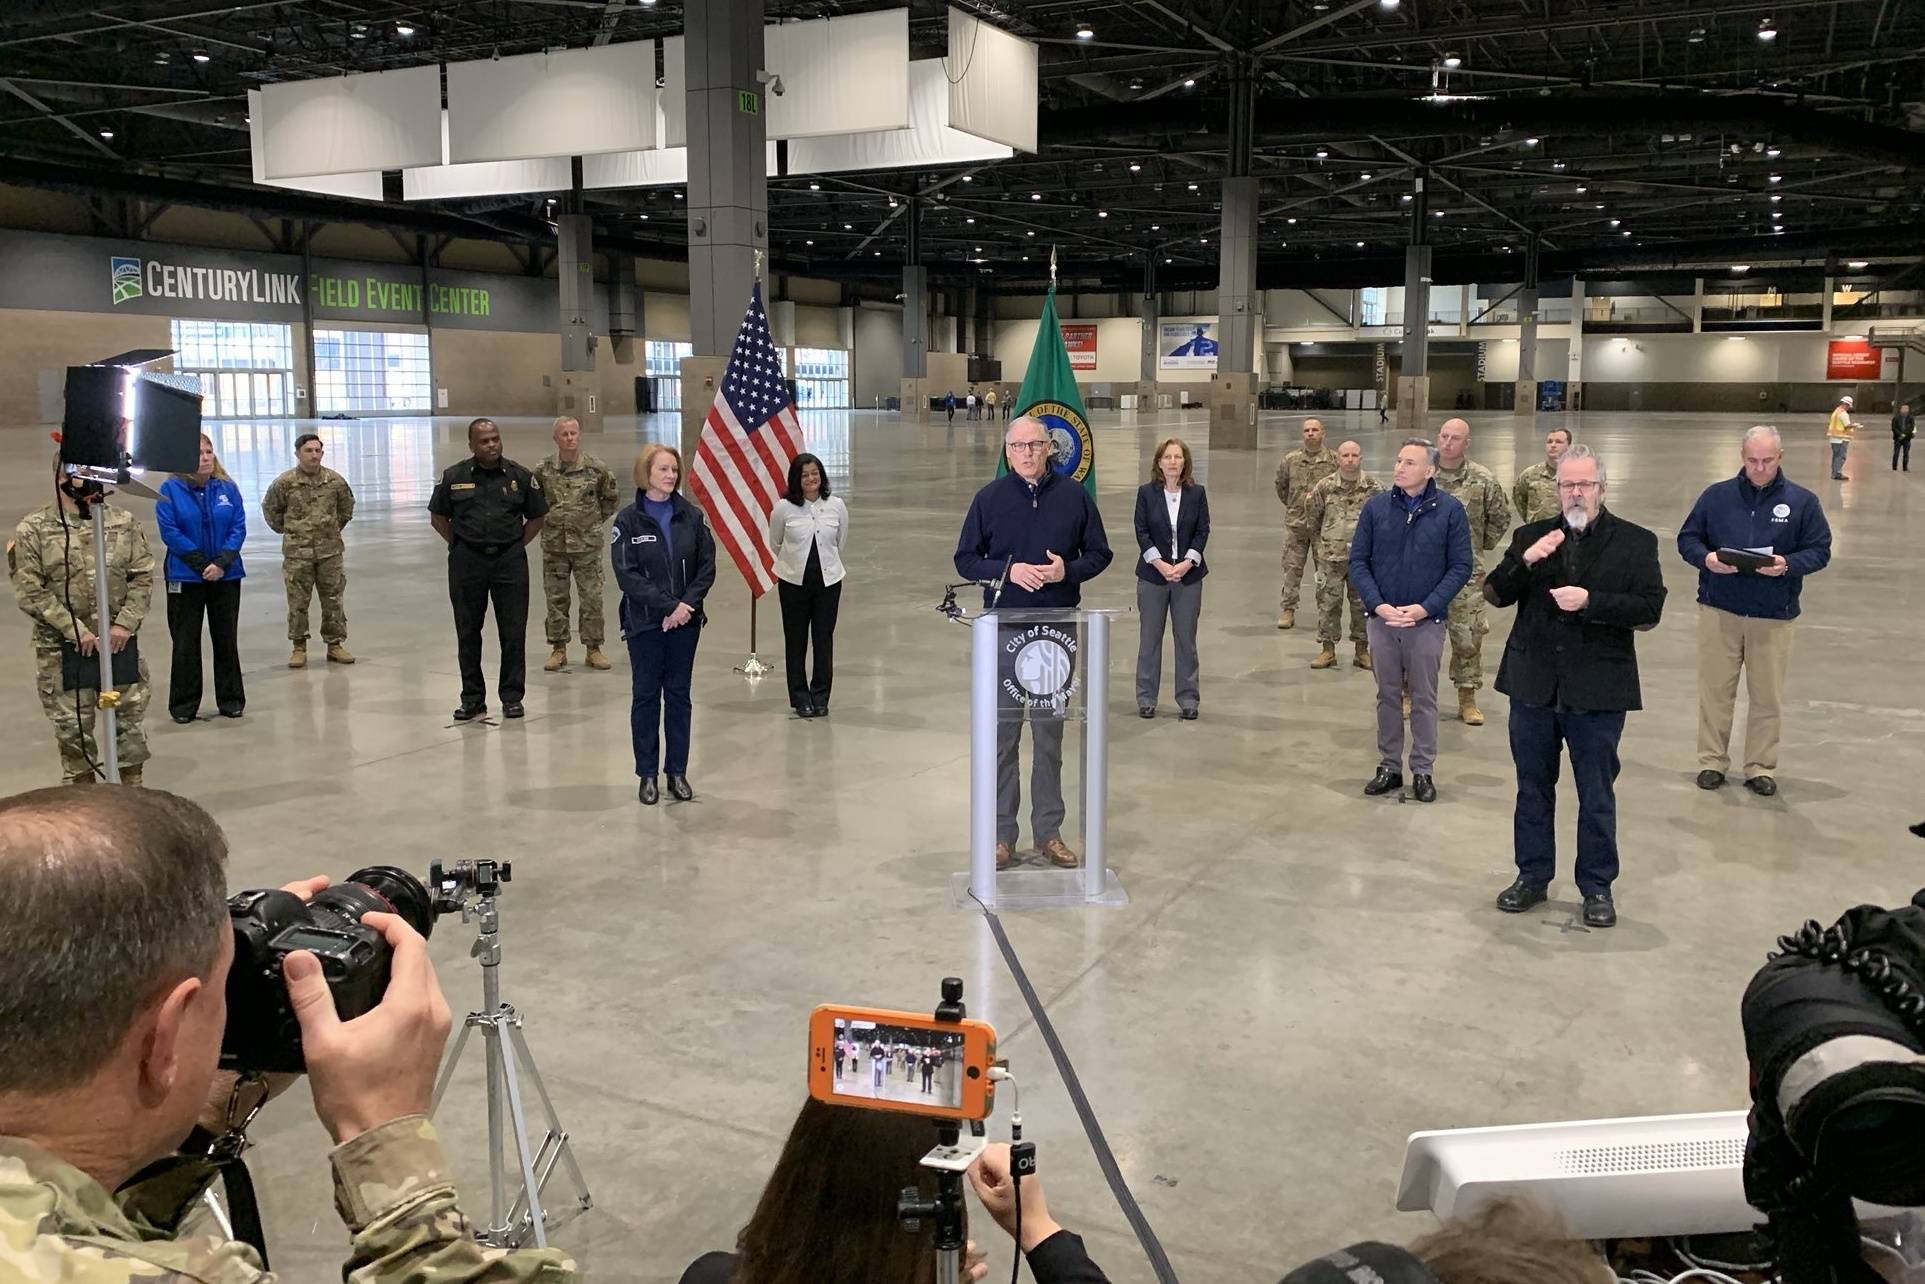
1182	603
1402	656
1045	776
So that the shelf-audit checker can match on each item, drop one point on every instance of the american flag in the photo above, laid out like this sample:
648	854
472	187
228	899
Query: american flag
750	437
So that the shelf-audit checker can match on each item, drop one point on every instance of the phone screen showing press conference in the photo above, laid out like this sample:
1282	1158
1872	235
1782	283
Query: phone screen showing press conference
898	1063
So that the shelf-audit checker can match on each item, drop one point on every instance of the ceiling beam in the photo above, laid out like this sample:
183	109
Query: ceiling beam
92	140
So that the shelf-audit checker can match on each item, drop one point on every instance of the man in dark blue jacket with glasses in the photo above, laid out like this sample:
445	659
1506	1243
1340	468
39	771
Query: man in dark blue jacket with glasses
1410	555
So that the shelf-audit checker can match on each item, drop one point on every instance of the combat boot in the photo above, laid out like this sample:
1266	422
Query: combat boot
298	660
338	654
130	776
596	660
557	659
1287	619
1362	659
1467	707
1326	658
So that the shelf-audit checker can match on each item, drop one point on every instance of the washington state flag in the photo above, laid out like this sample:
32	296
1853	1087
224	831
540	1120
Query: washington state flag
1049	394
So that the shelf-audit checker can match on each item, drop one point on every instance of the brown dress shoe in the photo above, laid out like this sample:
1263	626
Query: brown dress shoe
1003	855
557	659
1059	853
339	654
596	660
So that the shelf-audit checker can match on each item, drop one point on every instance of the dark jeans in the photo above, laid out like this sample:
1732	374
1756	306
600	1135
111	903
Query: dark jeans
474	580
809	615
1538	735
1902	450
220	603
663	665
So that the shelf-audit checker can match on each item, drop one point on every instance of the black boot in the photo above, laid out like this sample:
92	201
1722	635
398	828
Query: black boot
678	788
649	795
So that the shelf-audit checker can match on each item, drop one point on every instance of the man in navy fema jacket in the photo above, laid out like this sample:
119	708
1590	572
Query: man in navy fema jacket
1410	555
1044	528
1744	616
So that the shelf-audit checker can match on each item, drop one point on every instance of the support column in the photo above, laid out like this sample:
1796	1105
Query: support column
1233	392
1147	353
1697	305
577	390
1574	362
1413	375
728	191
1524	402
1831	288
309	406
915	317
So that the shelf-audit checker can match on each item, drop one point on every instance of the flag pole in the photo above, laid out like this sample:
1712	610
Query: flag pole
754	667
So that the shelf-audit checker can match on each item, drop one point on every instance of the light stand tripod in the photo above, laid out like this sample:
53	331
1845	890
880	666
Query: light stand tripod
510	1225
107	736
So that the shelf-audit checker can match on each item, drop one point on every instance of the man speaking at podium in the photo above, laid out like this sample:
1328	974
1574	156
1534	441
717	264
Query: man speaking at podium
1036	536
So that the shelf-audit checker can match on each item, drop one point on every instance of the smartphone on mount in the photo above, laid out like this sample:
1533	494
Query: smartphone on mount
879	1059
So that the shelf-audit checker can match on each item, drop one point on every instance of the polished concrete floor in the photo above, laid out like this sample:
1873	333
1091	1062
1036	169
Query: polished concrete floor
1301	978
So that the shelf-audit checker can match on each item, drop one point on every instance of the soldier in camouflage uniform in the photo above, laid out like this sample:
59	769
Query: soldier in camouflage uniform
1334	505
73	1129
1299	471
581	498
51	559
1535	493
308	506
1482	496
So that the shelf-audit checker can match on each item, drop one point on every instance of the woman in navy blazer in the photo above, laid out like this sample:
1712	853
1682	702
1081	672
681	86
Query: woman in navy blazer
203	524
1172	526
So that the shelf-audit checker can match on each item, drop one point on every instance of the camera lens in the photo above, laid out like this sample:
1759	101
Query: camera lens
383	889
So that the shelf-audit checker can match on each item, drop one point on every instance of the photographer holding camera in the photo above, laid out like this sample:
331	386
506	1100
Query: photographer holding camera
113	1006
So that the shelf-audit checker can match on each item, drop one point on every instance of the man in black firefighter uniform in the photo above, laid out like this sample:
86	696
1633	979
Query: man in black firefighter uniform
489	510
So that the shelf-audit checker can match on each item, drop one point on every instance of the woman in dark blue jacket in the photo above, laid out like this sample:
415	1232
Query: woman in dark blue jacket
1172	526
664	560
203	524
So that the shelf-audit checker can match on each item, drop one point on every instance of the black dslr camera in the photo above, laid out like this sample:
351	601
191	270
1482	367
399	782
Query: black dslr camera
262	1032
1835	1032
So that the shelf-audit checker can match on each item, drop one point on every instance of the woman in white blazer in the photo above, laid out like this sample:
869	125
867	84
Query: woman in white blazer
807	529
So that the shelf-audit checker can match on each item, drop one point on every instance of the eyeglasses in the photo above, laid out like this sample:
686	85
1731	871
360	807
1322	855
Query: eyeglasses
1027	446
1580	487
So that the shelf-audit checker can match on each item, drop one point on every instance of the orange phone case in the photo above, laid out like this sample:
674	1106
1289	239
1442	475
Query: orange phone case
978	1052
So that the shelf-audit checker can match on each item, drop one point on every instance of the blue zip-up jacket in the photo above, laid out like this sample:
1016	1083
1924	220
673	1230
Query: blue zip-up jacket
1013	518
1783	517
202	524
1409	552
655	574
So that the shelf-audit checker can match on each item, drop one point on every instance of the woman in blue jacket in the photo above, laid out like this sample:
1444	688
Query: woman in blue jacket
203	525
664	560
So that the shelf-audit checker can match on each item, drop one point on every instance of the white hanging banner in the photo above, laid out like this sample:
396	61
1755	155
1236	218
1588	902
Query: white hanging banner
674	93
992	82
351	124
485	178
364	186
663	167
575	102
928	141
839	75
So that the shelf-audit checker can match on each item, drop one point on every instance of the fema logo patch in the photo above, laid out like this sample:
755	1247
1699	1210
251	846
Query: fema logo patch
126	279
1071	451
1781	510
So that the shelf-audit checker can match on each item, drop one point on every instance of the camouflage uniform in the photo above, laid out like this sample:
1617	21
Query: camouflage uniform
392	1187
1299	471
581	499
1333	508
308	513
1490	522
1535	493
53	567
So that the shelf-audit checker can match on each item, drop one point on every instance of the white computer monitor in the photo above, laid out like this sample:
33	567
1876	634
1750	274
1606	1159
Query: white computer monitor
1609	1178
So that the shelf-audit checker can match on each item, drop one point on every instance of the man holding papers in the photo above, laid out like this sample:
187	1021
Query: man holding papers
1745	611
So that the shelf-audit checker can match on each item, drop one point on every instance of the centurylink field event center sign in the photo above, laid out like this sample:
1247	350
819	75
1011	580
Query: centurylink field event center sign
91	274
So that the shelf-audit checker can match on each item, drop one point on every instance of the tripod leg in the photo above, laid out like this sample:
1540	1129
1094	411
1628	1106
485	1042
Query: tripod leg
536	1218
554	1120
448	1067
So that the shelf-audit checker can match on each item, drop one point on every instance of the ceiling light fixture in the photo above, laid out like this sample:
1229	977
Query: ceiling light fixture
1615	222
1858	264
107	133
1085	32
1777	178
1390	5
1776	197
403	29
201	55
1189	82
1696	37
1557	164
1035	196
1741	267
1290	220
1365	177
1773	153
815	187
1531	142
969	220
848	227
1193	187
1581	189
1134	167
1767	29
1323	153
1102	213
1453	61
1360	245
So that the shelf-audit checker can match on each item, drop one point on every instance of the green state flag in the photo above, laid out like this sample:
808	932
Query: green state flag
1049	393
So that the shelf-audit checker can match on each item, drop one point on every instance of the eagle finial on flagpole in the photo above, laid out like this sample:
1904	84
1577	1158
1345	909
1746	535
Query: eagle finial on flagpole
758	266
1052	267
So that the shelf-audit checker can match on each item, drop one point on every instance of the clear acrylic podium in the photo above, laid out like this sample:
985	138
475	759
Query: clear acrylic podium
1036	675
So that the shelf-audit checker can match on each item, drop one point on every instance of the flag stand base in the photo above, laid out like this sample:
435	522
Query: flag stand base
753	667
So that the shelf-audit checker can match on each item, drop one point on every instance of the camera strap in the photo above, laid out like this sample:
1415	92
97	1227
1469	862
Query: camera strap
243	1209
